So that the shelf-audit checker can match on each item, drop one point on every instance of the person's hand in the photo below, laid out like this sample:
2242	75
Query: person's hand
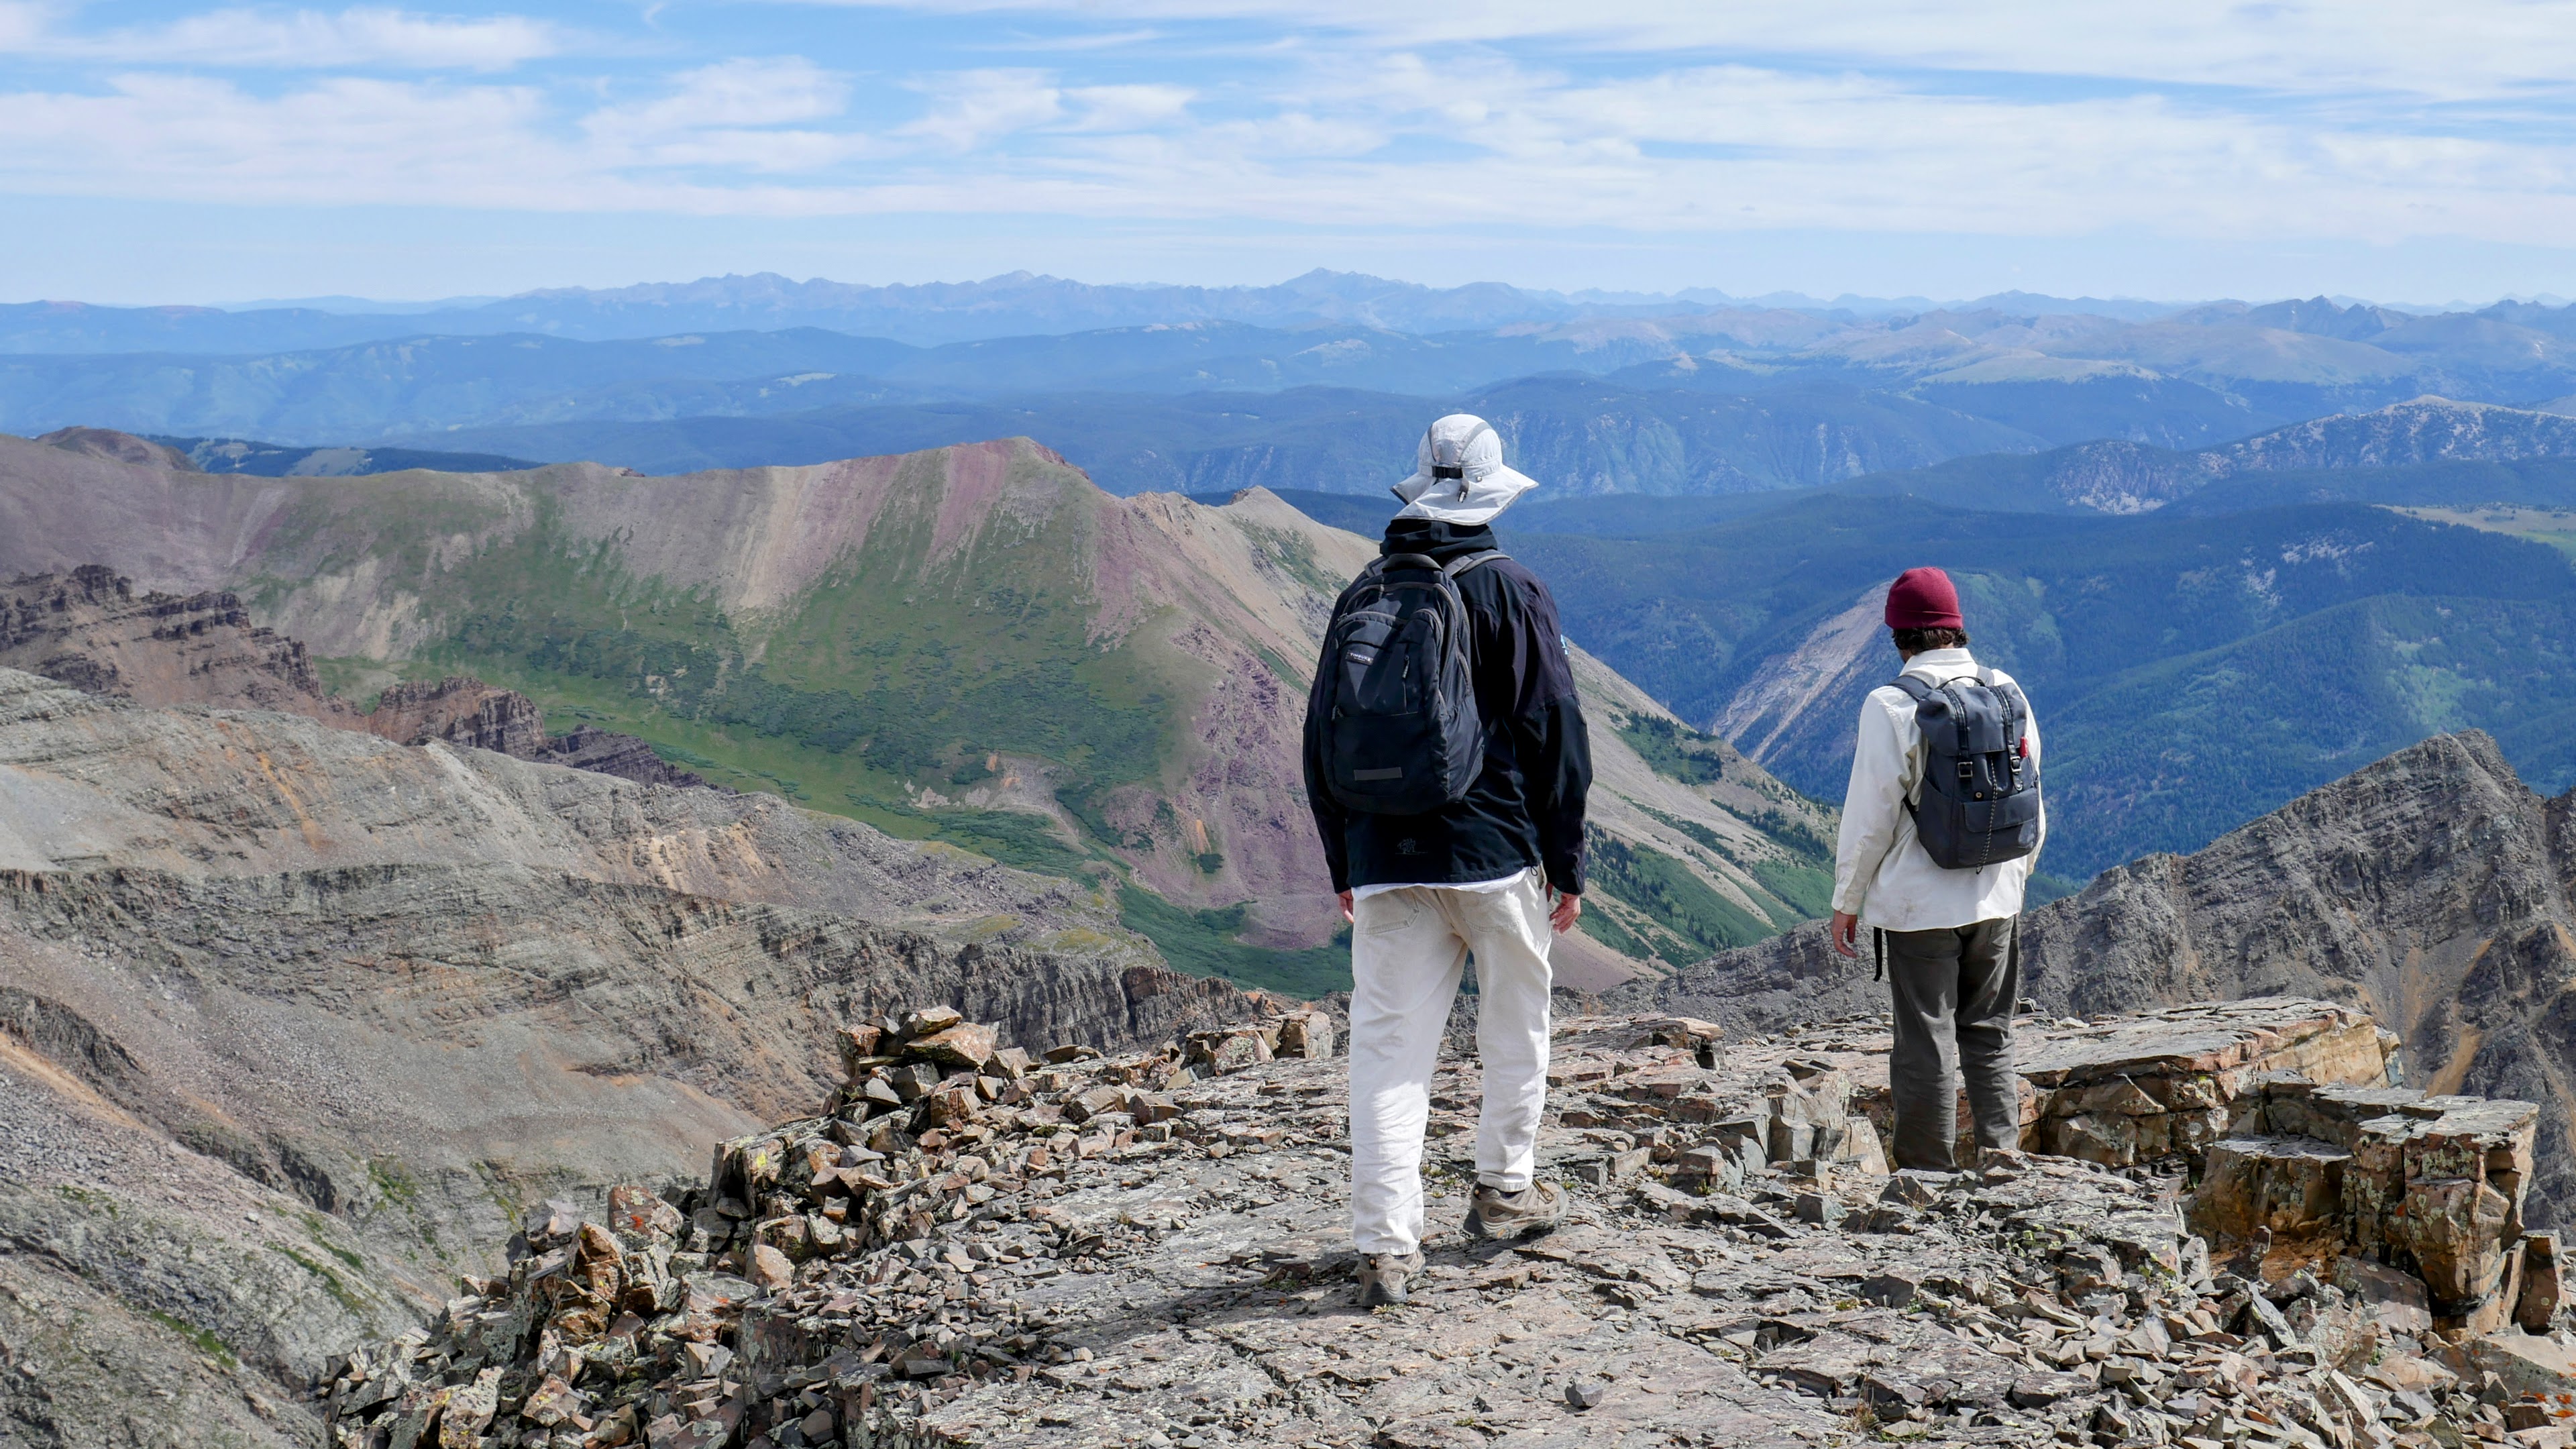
1567	910
1346	909
1845	931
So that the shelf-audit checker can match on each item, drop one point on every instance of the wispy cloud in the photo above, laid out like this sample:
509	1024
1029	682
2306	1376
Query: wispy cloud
1981	118
2462	49
1705	149
301	40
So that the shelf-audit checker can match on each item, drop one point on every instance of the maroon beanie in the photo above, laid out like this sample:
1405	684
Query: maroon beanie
1923	599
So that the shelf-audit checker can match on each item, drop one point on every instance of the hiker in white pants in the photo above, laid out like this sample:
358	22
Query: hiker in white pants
1408	944
1485	860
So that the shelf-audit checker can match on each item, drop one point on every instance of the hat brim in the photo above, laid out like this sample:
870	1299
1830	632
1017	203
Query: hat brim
1437	498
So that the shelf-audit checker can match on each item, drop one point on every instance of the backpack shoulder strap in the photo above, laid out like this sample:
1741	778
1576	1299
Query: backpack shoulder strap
1916	690
1467	563
1369	580
2016	704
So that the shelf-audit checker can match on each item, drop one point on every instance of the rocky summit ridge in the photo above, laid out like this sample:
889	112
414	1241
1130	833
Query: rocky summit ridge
296	1023
974	1246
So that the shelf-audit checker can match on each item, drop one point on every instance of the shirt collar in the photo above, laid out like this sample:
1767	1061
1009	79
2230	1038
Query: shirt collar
1942	663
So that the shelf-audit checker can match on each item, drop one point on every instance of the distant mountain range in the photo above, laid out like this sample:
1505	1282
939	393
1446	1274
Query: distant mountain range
1016	304
2128	477
1599	397
1581	435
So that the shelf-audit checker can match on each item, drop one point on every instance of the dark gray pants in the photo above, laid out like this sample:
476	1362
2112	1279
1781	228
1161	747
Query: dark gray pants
1954	991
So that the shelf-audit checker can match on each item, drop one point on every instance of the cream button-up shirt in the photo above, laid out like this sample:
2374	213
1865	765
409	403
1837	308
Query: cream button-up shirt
1880	873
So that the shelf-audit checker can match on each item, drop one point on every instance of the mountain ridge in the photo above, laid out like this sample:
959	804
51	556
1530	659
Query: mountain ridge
974	644
2122	477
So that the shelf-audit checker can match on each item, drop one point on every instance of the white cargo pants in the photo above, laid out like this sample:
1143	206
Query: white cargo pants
1408	948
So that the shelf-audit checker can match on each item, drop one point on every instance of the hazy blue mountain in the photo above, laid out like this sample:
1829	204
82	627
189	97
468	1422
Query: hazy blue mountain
376	390
366	392
1576	435
2163	411
1128	443
2183	382
2124	403
2127	309
928	315
2544	483
2125	477
2284	359
83	327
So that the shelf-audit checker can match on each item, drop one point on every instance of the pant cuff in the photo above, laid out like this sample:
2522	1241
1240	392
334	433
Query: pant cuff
1503	1181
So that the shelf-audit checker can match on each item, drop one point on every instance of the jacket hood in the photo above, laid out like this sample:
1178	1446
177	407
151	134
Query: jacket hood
1442	541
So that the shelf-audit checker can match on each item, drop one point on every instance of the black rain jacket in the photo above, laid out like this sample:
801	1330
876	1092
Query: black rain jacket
1526	808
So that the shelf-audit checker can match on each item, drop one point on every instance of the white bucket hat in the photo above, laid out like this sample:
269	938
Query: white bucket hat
1458	474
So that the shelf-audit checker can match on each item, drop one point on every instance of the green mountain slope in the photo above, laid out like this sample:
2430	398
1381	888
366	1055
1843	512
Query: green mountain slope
2191	672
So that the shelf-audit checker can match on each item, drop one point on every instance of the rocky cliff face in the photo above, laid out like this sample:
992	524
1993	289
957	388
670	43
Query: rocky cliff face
90	628
295	1022
2432	888
460	710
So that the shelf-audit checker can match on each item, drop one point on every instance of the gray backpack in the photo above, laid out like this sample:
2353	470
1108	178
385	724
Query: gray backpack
1980	797
1395	693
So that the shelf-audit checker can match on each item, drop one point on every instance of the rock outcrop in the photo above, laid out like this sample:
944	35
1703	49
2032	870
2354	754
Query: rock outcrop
1148	1249
92	629
460	710
296	1022
2431	890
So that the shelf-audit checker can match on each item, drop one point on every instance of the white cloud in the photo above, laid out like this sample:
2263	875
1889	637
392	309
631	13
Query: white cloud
970	108
1360	135
21	25
1127	107
2466	48
300	40
727	116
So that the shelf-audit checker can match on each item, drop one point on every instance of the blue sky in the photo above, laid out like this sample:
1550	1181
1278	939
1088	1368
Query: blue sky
159	152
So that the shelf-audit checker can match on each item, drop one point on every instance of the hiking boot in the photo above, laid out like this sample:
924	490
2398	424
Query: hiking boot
1535	1209
1384	1277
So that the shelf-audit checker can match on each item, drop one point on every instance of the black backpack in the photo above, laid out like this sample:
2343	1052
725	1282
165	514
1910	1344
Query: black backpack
1980	797
1395	691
